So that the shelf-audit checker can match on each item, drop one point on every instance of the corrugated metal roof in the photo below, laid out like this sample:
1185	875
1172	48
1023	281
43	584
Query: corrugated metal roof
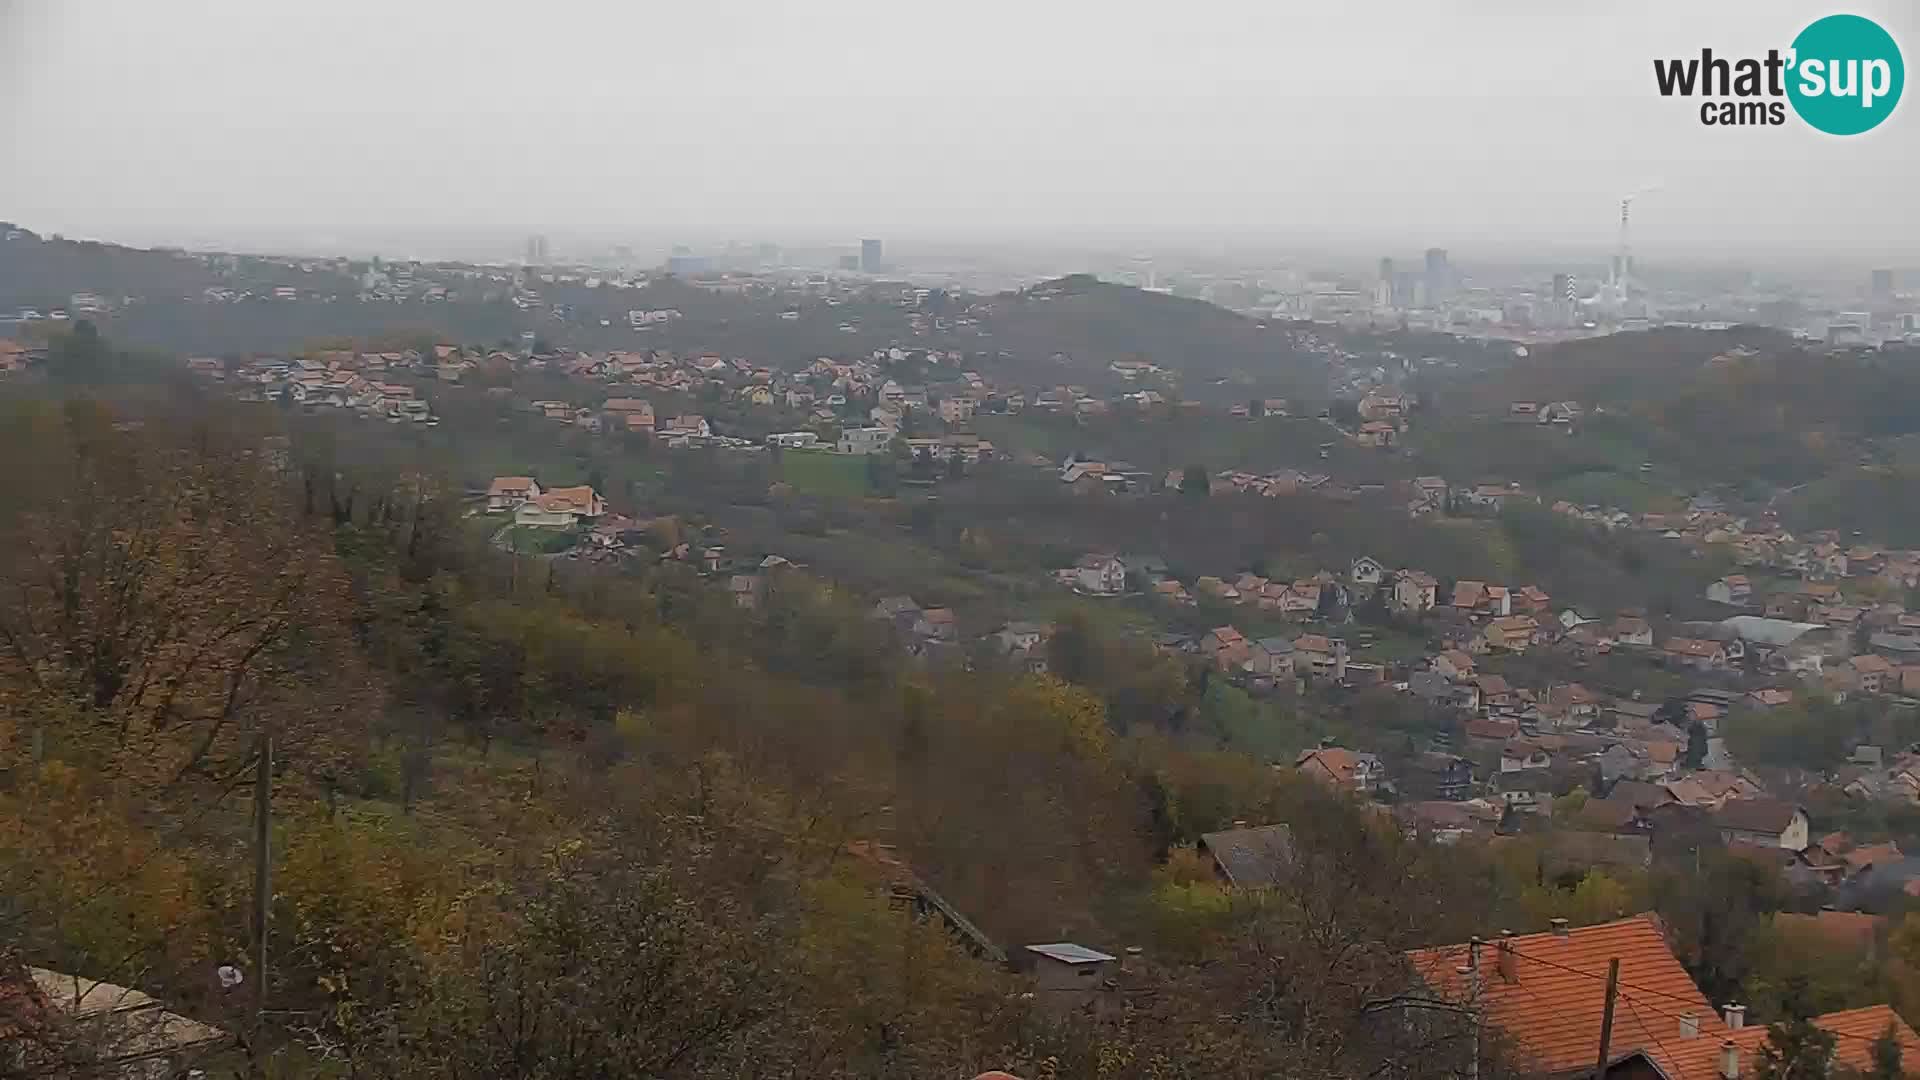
1069	953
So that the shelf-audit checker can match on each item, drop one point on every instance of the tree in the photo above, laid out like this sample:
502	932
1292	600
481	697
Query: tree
161	605
1696	755
1194	480
1885	1055
80	355
1796	1048
614	971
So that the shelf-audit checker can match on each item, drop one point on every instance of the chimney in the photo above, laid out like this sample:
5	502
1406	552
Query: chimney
1503	957
1689	1026
1473	952
1729	1060
1736	1015
1559	927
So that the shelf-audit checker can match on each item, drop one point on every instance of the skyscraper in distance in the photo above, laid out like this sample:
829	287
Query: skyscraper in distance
536	250
1438	274
1883	285
870	256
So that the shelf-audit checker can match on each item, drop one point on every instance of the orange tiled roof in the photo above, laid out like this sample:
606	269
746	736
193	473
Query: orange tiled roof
1848	929
1699	1058
1551	1006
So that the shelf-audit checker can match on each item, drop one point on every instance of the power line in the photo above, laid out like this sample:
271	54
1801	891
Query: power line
1624	986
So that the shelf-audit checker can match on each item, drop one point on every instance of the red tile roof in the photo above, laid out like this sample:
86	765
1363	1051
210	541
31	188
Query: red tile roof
1551	1006
1699	1058
1552	1003
1847	929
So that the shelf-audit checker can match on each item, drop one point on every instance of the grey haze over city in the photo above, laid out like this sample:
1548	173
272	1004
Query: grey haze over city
454	129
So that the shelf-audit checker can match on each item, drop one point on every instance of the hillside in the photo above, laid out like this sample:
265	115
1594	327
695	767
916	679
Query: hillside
1744	407
1088	324
44	272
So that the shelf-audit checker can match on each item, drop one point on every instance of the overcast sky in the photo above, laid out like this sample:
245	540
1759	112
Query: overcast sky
1471	123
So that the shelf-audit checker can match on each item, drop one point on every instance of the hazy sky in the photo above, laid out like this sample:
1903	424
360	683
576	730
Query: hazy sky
1488	123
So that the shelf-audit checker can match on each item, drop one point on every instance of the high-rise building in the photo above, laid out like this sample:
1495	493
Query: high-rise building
536	250
1883	284
1383	291
870	256
1438	275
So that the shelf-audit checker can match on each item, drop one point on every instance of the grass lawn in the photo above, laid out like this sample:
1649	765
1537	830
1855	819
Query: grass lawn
822	472
530	540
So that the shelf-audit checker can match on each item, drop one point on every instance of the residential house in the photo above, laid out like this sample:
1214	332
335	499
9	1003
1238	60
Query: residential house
1225	647
865	440
1271	656
1324	657
1454	665
1366	570
1022	636
630	414
560	508
1489	734
1764	822
1437	775
1435	689
1102	575
1571	705
1343	769
1250	858
1871	673
936	624
1532	600
1631	630
746	590
1735	589
1543	993
508	492
1512	633
1696	653
1445	822
684	428
1414	591
1211	586
1632	715
1469	597
902	611
1495	694
1519	755
957	410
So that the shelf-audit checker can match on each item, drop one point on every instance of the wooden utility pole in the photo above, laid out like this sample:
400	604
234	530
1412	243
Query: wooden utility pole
262	867
1606	1017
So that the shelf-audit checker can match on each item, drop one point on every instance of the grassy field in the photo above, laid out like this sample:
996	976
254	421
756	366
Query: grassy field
822	472
527	540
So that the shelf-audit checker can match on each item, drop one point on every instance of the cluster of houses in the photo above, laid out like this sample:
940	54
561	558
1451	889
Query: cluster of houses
363	382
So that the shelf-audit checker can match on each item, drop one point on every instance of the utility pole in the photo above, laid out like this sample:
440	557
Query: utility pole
262	868
1606	1017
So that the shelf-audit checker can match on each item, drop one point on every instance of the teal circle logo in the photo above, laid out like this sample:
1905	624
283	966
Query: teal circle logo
1846	75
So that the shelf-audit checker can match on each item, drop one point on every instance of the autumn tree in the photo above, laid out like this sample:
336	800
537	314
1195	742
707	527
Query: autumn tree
159	605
